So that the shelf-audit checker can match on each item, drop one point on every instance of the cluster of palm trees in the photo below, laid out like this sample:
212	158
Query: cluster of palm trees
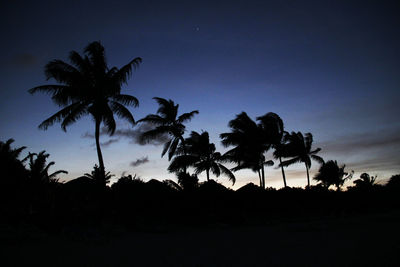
88	86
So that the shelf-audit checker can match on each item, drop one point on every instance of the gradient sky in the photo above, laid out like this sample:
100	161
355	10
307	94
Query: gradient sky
326	67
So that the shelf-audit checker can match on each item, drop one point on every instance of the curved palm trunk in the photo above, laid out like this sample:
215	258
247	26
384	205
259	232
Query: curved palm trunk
99	154
283	172
208	174
308	176
259	177
263	176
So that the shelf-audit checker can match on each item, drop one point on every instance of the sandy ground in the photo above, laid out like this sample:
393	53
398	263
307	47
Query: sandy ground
368	240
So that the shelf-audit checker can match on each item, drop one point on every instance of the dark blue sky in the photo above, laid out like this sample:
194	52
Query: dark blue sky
326	67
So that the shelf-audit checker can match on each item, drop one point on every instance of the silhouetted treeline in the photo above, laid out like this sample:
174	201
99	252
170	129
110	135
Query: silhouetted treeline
29	193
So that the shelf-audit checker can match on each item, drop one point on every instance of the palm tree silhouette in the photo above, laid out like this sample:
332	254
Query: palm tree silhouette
39	168
272	126
250	143
98	176
198	152
167	122
10	164
298	148
89	86
365	181
331	174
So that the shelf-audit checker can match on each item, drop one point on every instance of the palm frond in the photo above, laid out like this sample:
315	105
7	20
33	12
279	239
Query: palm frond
181	162
228	173
172	148
154	119
187	116
127	100
62	72
166	147
50	89
318	159
58	117
125	72
76	113
122	112
289	162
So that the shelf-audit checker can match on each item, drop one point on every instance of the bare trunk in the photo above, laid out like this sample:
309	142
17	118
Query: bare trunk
259	177
263	176
184	152
308	176
283	172
100	156
208	174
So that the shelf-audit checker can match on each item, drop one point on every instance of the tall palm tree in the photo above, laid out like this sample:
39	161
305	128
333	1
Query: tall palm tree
250	143
199	153
167	122
298	148
273	128
330	173
88	86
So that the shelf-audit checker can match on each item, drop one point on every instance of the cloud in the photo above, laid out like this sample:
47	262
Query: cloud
365	151
139	161
357	142
87	135
109	142
133	135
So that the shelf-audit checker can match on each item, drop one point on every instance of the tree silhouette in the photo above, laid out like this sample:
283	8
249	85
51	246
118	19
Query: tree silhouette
89	86
98	176
365	181
298	148
38	171
272	126
331	174
9	162
168	122
199	153
250	143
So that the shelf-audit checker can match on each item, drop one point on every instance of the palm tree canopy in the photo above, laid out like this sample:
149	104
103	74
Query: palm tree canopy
365	180
39	168
330	173
199	153
88	86
250	143
97	175
299	149
167	121
272	126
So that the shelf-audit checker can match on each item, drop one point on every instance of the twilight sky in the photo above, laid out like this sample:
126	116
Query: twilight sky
326	67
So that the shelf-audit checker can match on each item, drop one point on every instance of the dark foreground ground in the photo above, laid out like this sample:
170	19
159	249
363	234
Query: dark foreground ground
356	240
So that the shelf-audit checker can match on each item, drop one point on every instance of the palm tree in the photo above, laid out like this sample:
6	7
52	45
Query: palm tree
250	143
331	174
39	168
365	181
199	153
167	122
272	126
98	176
298	148
12	169
89	86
